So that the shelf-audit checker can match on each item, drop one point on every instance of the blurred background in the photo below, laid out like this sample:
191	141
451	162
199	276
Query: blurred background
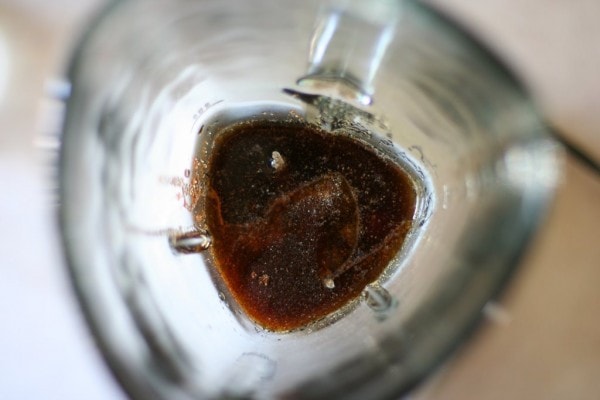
541	339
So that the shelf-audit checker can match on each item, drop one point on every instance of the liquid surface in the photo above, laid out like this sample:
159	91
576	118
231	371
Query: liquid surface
301	219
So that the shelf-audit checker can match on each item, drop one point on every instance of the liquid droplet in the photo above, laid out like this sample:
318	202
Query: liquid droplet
247	374
379	300
190	242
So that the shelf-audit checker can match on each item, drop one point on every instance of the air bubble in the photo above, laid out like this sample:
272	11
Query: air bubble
249	372
190	242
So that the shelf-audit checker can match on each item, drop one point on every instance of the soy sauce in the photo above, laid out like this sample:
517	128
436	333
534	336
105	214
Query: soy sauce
301	219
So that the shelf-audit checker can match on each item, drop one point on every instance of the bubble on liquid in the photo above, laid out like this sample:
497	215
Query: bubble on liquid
329	283
190	242
379	300
277	162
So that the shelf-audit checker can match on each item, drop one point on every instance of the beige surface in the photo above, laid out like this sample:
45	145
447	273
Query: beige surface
45	349
547	342
554	45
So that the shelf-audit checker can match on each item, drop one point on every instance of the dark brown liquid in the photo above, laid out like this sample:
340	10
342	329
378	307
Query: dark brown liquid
301	220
